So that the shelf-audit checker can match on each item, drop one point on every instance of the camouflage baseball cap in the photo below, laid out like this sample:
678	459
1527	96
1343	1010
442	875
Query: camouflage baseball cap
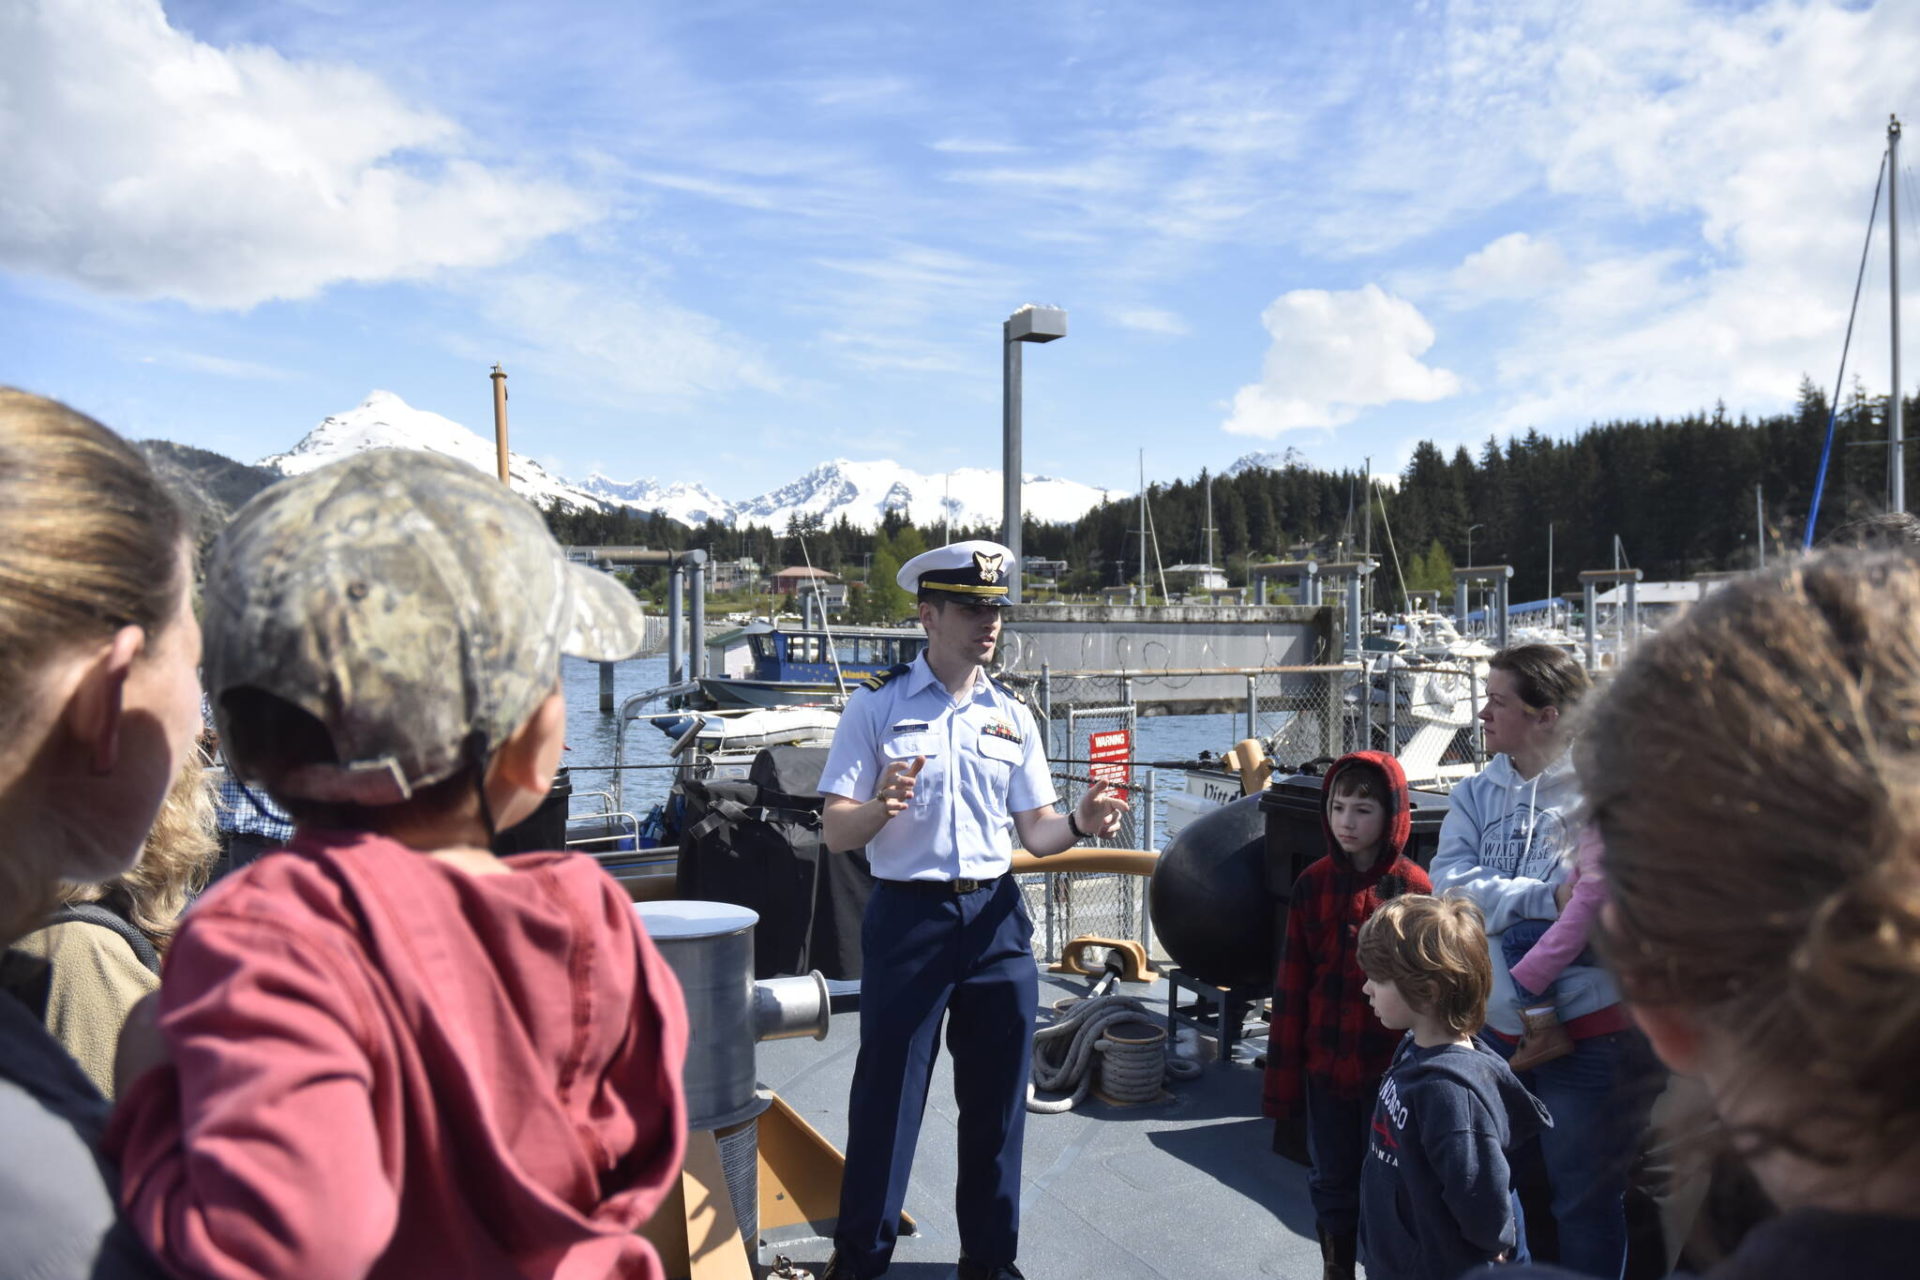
411	604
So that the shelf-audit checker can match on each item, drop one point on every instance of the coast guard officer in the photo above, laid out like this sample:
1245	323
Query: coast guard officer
933	771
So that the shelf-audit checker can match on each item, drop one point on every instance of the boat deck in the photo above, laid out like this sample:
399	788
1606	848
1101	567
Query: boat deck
1186	1190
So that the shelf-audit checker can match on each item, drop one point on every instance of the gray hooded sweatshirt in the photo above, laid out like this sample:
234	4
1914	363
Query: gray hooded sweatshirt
1506	842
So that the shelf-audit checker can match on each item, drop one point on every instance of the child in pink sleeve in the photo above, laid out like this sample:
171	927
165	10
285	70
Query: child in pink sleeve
1537	951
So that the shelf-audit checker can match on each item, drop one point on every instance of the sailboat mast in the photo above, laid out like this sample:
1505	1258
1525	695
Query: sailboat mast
1209	521
1143	526
1896	443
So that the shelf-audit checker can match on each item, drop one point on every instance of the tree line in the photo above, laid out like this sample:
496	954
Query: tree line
1696	494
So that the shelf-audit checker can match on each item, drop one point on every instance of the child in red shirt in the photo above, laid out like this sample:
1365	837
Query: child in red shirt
383	1052
1328	1049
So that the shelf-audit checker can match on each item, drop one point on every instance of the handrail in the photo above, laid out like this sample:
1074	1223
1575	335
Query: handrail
1132	862
1148	673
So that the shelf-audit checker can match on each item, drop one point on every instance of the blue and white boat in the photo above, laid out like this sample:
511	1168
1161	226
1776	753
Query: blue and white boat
770	663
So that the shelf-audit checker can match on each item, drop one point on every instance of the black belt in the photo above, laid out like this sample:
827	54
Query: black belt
945	887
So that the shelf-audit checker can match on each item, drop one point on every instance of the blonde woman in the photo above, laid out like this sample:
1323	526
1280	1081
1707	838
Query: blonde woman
99	705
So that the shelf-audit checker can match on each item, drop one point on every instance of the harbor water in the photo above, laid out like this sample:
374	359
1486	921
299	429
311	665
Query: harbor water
591	737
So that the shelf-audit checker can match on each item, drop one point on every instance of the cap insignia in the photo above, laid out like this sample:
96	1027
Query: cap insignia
989	565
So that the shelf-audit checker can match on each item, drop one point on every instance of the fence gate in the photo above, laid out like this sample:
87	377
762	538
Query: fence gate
1101	744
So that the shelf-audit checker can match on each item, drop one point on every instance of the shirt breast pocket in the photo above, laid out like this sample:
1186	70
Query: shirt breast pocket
999	757
903	748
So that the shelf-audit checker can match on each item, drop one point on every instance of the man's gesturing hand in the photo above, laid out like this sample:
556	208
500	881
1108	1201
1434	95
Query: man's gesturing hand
1100	808
896	785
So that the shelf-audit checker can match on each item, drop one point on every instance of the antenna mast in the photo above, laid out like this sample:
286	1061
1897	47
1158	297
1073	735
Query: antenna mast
1896	442
499	377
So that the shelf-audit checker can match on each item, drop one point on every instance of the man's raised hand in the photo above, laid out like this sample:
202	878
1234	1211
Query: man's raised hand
1100	808
896	785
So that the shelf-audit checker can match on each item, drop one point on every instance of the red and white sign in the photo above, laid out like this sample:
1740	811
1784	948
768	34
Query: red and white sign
1111	754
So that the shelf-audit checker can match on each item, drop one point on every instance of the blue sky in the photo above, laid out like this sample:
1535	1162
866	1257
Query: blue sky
721	243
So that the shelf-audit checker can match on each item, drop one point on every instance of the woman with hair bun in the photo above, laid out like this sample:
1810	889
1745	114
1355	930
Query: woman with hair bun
99	705
1755	775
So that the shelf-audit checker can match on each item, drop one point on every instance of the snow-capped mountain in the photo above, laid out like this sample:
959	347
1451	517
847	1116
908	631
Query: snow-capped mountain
690	504
863	492
1269	460
384	421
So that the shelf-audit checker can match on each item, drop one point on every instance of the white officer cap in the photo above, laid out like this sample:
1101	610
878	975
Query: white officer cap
976	571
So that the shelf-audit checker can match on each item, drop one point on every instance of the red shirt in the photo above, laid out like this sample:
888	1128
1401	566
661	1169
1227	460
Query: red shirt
1322	1024
386	1067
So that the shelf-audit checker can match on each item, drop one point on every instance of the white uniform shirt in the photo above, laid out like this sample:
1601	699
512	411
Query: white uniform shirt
985	762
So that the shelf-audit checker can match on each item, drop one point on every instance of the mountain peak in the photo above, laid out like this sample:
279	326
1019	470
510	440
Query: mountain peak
385	421
1268	460
861	491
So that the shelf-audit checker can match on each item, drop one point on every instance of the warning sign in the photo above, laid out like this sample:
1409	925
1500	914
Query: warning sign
1110	752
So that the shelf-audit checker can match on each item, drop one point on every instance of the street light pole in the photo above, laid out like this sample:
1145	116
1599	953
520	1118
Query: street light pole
1029	324
1470	529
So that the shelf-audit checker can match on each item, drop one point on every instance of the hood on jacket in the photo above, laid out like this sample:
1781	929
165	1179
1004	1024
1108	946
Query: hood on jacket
1399	805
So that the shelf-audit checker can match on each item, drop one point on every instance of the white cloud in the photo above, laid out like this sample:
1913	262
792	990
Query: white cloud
1514	266
1150	320
218	366
1334	354
627	347
138	161
1717	166
975	147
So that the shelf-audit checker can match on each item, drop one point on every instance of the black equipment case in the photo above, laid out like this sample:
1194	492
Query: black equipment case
757	844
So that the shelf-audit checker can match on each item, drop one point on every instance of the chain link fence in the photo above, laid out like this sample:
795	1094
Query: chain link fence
1301	714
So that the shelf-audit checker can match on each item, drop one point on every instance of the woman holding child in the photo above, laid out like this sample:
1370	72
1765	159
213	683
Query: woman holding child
1511	844
1773	729
100	705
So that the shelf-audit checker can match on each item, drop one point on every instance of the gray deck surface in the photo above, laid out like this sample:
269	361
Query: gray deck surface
1187	1190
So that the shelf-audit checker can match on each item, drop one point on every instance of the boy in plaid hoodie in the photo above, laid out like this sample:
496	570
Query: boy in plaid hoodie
1328	1049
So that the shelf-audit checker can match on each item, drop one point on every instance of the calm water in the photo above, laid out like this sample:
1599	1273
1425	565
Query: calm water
591	736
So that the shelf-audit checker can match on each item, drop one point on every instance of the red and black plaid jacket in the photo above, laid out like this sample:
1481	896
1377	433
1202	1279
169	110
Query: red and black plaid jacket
1322	1024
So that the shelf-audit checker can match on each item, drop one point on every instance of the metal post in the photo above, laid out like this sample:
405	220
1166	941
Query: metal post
1010	456
1152	830
1332	748
1500	598
1630	633
697	639
1760	525
1044	695
1393	711
1897	463
606	688
1046	891
676	620
499	377
1253	705
1479	730
1592	628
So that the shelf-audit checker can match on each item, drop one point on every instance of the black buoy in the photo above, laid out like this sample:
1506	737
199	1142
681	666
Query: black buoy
1212	909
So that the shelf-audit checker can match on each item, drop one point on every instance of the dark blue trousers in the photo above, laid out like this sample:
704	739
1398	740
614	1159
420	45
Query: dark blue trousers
1337	1134
929	954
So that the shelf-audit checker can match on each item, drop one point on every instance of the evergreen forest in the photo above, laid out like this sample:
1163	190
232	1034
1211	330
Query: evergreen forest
1692	495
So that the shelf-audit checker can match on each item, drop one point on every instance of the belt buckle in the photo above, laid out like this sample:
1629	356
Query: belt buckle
965	886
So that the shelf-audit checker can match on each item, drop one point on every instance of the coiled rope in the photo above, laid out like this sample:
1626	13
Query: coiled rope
1132	1067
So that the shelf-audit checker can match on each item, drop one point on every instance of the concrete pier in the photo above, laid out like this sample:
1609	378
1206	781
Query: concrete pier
1168	652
